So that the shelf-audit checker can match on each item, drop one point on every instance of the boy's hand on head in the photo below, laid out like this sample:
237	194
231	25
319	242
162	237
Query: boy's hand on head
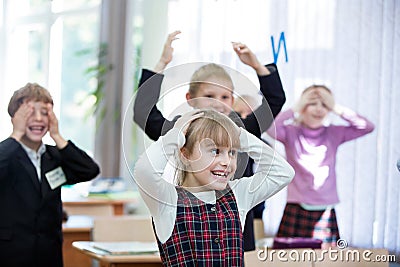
53	121
168	50
249	58
53	128
20	119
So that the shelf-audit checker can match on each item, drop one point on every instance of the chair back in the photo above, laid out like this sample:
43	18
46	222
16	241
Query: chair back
123	228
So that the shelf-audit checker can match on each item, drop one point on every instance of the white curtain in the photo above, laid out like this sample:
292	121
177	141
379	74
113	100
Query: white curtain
351	46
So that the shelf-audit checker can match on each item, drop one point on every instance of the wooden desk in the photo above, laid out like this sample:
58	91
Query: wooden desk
107	260
77	228
95	206
75	202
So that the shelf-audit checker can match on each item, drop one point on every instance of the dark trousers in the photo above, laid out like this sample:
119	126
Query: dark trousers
248	232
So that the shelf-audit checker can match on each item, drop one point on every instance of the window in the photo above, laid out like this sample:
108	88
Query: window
41	41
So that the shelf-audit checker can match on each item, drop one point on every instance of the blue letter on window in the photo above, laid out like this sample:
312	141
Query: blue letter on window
276	53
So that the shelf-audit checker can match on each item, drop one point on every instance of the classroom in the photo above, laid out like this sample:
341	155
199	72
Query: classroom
97	57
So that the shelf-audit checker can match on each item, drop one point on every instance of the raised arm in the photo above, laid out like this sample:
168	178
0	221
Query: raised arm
145	111
149	169
358	125
249	58
271	88
157	193
167	53
54	130
77	165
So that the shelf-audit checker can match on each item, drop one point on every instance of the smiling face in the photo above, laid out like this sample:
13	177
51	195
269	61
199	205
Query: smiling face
37	125
210	167
209	157
211	87
315	112
213	93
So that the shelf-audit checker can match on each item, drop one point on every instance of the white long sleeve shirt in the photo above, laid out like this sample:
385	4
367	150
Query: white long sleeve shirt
161	197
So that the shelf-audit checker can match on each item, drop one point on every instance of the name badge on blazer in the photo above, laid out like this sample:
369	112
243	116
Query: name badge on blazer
56	177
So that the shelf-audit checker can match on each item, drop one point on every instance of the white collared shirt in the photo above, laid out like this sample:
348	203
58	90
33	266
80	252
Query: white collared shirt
35	157
161	197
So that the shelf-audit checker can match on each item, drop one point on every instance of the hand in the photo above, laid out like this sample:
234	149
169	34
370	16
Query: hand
53	121
326	98
53	128
306	98
183	122
168	50
20	119
249	58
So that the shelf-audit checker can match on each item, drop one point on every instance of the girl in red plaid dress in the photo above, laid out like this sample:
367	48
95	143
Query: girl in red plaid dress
199	222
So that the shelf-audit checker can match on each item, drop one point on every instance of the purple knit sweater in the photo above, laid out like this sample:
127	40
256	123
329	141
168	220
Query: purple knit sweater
312	154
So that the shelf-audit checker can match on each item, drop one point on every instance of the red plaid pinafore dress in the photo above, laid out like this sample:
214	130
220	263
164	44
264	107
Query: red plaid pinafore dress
204	234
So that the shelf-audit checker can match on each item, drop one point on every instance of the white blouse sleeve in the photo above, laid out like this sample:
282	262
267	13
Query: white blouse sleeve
273	173
156	192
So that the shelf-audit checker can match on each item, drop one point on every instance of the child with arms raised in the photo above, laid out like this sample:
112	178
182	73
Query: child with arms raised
311	149
200	221
212	87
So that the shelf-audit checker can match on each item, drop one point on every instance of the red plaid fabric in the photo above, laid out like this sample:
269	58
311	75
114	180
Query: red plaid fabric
204	234
298	222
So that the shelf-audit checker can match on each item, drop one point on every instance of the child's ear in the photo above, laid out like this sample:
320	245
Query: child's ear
189	100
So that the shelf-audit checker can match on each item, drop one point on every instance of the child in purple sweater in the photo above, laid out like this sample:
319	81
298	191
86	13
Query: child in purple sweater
311	149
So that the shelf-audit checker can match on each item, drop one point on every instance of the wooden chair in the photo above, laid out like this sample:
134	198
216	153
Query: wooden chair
258	229
90	210
123	228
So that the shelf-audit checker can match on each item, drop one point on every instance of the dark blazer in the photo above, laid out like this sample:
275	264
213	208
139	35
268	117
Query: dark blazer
151	120
31	212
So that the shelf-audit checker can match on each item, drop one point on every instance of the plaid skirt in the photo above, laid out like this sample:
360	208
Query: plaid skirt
298	222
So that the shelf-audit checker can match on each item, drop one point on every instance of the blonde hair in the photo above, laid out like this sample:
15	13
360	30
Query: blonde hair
212	125
315	86
31	91
201	75
298	120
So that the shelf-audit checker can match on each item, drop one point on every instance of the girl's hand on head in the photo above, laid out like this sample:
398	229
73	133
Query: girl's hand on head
306	98
168	50
327	98
20	119
183	122
249	58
